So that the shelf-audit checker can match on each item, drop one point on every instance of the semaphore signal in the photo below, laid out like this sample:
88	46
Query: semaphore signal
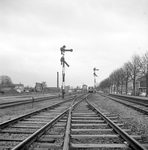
63	62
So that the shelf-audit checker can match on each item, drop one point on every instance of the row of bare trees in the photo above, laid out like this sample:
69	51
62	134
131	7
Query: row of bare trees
129	72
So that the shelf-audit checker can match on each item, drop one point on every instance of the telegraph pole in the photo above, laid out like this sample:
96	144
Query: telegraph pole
63	62
95	75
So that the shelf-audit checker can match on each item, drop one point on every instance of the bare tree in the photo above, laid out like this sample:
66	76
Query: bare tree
112	78
144	69
126	76
5	80
129	72
118	79
134	68
105	85
115	80
121	78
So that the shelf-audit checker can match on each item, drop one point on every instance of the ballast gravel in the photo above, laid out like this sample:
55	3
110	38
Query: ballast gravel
133	120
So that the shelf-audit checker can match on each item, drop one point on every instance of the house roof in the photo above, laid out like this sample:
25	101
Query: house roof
141	78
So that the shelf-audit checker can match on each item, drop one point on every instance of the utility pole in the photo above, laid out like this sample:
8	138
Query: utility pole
63	62
95	75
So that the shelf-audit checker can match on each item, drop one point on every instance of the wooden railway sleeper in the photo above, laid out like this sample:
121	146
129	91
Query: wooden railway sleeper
131	141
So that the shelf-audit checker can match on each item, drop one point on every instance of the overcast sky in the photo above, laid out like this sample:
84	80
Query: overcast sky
102	33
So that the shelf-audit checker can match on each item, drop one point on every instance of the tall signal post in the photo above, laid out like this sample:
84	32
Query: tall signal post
95	75
63	62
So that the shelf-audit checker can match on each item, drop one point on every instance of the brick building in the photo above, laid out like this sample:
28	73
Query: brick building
141	85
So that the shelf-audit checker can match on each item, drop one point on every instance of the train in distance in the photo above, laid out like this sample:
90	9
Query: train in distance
91	89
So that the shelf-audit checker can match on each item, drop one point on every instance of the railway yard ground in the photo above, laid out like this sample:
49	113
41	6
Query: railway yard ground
13	112
25	97
137	122
133	120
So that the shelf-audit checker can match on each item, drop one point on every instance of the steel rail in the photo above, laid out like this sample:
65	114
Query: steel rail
27	101
21	102
128	105
67	133
27	142
131	141
7	123
24	145
137	100
68	126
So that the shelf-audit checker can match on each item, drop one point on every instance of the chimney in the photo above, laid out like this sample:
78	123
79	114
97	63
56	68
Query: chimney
57	80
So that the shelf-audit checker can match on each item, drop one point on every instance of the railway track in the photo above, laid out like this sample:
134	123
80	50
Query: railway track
140	106
135	99
19	129
22	102
81	126
28	101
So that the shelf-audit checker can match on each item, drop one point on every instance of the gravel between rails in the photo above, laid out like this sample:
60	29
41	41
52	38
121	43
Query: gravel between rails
13	112
132	119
